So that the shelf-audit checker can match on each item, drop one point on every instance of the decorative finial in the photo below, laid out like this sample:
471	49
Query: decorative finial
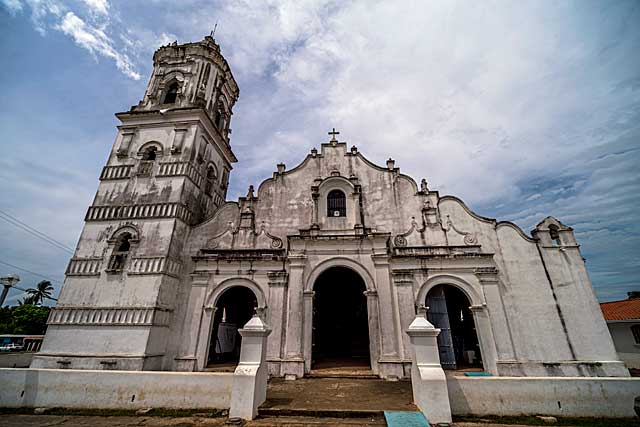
423	186
250	193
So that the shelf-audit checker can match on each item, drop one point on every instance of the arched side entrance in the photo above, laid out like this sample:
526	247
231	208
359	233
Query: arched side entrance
449	310
340	337
233	309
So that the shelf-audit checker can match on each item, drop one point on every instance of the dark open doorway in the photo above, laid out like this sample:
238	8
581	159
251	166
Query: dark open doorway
340	321
448	310
234	309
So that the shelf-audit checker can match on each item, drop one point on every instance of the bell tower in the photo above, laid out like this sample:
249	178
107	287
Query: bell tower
168	170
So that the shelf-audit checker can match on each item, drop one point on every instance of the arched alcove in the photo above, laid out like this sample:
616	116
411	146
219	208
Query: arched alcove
340	320
449	310
234	307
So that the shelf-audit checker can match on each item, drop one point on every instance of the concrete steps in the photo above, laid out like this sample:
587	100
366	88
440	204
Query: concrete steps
331	400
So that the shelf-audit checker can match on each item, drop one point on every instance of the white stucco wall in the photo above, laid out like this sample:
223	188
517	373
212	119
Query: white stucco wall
628	350
113	389
568	397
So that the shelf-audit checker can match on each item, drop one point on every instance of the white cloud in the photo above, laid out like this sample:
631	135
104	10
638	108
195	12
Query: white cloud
13	6
90	36
96	41
40	9
518	108
98	6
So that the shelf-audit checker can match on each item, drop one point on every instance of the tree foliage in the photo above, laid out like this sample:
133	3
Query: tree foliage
25	319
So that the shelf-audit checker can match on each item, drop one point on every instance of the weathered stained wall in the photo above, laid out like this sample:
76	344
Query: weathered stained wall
33	388
565	397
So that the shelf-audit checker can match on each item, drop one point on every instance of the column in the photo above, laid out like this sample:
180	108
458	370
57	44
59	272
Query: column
374	329
388	331
194	328
496	314
308	329
278	282
294	361
485	338
403	283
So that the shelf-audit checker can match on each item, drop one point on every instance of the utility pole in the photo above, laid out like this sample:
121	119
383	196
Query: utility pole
7	281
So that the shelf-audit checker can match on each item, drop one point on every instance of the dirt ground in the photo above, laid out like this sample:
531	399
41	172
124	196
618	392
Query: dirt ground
15	420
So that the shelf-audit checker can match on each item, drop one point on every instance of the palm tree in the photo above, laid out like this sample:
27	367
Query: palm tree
26	301
40	292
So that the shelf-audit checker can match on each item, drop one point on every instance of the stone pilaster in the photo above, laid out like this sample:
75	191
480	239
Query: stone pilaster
403	282
197	329
388	330
293	357
278	284
495	312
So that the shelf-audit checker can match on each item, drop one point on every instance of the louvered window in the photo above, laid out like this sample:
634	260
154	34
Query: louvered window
336	204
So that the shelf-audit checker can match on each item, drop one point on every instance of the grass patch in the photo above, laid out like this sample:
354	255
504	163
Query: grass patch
155	412
562	421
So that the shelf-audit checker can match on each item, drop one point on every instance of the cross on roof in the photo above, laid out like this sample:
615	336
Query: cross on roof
333	134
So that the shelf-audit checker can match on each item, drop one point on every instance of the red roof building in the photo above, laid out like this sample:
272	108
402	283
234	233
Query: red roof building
621	310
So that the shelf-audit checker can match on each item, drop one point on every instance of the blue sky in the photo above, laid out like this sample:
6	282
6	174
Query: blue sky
523	109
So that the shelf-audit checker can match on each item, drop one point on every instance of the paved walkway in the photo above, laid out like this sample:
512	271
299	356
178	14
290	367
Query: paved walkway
99	421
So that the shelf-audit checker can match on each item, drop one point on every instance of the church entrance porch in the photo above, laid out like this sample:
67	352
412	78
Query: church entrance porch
449	310
234	309
340	337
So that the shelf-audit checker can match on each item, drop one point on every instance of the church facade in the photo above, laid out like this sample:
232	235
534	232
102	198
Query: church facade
337	255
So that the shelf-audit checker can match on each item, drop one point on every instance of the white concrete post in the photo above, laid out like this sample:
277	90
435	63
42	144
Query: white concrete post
249	388
427	376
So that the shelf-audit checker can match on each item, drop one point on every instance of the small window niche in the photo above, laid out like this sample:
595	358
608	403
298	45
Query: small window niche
336	204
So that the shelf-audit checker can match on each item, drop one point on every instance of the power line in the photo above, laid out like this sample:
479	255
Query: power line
27	291
30	272
34	232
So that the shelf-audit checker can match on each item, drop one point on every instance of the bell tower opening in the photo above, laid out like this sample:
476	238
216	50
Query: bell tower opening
340	320
449	310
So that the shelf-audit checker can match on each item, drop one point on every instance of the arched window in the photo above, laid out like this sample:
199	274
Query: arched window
172	94
212	177
336	203
635	330
150	153
554	234
120	253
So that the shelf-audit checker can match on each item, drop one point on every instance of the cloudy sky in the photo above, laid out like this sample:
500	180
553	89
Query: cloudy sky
522	109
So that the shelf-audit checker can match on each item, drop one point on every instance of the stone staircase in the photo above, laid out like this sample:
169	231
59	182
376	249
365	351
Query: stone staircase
329	399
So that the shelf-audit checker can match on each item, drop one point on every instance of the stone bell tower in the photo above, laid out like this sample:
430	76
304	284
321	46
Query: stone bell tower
168	169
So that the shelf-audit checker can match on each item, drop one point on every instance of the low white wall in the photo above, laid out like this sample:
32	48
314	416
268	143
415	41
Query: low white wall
560	396
113	389
15	360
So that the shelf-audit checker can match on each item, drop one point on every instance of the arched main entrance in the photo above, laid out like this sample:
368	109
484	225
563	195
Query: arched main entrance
234	309
448	310
340	320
